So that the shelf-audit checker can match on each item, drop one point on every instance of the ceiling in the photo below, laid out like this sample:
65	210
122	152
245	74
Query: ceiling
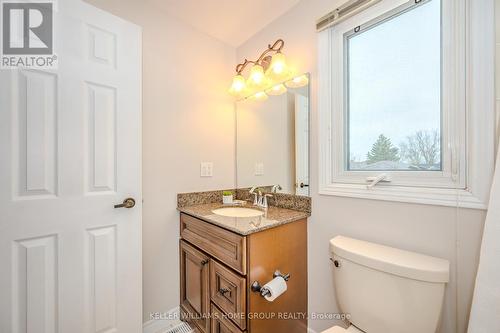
232	21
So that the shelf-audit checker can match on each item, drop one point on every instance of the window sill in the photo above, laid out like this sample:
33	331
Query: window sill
419	195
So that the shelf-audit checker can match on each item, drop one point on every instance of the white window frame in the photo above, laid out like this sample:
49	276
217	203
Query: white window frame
467	115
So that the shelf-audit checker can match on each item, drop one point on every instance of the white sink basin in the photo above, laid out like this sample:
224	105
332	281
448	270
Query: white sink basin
238	212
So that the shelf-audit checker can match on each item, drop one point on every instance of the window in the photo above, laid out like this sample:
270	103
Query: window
393	84
395	121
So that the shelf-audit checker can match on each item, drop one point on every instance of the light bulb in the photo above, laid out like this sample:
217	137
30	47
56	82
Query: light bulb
238	85
276	90
297	82
278	69
260	96
257	78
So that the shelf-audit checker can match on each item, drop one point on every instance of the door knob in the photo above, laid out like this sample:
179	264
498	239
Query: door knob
127	203
302	185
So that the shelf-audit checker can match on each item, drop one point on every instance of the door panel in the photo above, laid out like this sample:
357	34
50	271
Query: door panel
34	284
70	147
101	138
194	275
101	243
195	296
34	134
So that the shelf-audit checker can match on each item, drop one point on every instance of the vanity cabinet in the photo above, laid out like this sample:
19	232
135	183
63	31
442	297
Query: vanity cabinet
218	267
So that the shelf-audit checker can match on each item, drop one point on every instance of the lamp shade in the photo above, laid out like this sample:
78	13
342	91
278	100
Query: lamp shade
238	86
257	79
278	70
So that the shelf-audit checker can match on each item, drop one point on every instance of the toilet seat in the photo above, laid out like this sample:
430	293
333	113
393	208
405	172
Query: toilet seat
335	329
338	329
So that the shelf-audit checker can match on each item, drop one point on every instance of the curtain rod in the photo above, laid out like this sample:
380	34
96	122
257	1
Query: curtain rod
343	12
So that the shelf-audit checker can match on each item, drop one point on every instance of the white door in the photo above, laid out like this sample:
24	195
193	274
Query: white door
70	150
301	145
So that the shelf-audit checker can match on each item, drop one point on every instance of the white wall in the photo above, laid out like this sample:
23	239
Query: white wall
187	118
432	230
497	67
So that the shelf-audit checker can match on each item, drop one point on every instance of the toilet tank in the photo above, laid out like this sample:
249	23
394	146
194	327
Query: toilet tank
387	290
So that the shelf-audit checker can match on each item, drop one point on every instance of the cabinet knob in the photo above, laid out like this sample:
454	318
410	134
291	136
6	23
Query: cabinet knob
223	291
204	262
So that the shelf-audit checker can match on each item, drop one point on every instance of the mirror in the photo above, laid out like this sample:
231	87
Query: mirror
272	141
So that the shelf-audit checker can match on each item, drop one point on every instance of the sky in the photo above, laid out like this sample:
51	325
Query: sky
394	79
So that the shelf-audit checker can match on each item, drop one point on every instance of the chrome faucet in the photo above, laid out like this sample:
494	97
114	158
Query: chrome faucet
256	196
264	200
260	199
276	188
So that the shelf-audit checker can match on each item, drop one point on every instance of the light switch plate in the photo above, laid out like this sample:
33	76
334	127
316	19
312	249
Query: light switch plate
259	169
206	169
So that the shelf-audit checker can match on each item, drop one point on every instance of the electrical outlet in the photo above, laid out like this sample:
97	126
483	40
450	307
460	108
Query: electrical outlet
259	169
206	169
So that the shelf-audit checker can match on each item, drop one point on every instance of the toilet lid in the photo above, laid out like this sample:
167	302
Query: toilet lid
338	329
335	329
354	329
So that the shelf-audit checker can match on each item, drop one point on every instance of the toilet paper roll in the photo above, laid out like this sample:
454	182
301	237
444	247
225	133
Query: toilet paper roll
276	287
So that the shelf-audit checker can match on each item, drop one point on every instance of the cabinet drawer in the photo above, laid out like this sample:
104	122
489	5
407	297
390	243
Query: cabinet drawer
224	245
228	292
220	323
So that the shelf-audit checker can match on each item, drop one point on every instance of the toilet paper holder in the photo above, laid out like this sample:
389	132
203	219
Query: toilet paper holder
257	288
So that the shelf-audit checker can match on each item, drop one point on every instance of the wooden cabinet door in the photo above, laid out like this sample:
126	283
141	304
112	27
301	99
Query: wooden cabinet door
283	248
195	294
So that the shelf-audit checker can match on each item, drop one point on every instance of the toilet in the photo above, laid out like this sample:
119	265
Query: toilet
387	290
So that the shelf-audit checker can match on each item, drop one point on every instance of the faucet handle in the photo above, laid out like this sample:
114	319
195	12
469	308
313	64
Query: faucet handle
264	200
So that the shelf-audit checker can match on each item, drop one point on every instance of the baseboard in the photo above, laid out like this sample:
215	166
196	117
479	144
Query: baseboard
167	320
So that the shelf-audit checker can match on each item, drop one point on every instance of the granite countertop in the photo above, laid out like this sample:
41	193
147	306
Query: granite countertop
273	217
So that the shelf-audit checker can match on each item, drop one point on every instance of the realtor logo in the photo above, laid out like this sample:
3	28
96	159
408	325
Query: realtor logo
27	34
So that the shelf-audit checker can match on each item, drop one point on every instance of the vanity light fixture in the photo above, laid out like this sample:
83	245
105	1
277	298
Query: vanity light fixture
266	75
